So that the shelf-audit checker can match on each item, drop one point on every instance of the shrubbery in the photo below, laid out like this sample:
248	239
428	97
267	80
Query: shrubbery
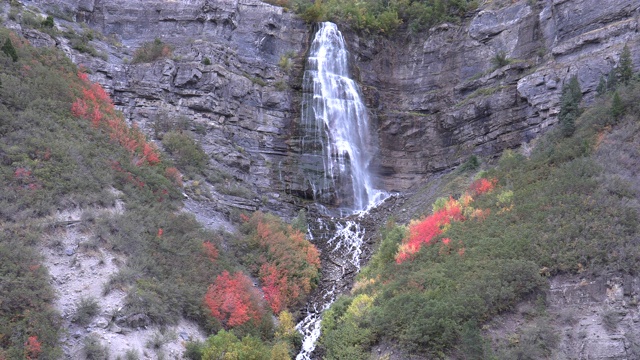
384	17
187	153
151	51
570	207
286	263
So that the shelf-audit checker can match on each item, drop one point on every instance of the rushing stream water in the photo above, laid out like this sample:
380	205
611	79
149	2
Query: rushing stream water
338	148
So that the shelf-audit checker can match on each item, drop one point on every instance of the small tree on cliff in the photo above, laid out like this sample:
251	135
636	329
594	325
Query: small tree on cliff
9	50
617	108
569	106
625	68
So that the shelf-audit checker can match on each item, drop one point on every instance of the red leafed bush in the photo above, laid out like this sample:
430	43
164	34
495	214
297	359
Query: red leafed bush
422	232
482	186
32	348
274	286
96	106
174	175
288	264
210	250
233	300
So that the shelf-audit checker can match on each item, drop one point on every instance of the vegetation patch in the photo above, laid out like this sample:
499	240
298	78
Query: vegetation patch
152	51
286	263
570	207
381	17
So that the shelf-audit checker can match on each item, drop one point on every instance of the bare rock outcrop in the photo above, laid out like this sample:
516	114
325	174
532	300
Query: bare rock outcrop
491	83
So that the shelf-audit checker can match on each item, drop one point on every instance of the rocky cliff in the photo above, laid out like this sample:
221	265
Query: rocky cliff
489	83
232	79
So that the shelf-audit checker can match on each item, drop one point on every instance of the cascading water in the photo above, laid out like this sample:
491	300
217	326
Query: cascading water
337	151
336	141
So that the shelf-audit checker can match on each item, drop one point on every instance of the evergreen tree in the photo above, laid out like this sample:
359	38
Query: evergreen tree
617	109
612	79
569	106
602	86
625	68
48	22
8	49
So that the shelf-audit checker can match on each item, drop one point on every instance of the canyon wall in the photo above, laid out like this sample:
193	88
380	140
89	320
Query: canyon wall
435	98
442	96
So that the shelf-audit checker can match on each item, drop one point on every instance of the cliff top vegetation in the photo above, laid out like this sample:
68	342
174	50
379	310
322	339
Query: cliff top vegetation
382	17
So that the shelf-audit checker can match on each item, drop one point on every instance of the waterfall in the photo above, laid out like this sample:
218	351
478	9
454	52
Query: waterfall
342	250
336	141
336	153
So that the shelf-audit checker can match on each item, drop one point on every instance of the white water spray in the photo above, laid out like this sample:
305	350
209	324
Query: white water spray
338	149
346	244
336	126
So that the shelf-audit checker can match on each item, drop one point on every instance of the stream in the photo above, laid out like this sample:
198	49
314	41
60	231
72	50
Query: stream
337	146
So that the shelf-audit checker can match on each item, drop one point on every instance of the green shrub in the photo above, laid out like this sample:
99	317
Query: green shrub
384	17
625	66
617	109
536	341
131	354
193	350
472	163
187	153
237	190
94	350
227	345
151	51
159	339
206	61
86	310
9	50
48	22
569	106
500	59
346	333
610	319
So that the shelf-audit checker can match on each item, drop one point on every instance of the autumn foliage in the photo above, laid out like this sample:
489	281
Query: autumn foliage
95	105
482	186
424	231
210	250
233	300
287	264
32	348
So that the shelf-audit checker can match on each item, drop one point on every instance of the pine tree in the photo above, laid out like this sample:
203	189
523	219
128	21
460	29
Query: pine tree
570	106
9	50
602	86
625	68
617	108
612	79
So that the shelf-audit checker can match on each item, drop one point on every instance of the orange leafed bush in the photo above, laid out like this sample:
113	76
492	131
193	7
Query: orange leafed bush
422	232
96	106
289	268
482	186
32	348
210	250
174	175
233	300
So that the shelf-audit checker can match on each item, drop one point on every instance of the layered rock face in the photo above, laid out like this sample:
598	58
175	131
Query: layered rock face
232	78
489	84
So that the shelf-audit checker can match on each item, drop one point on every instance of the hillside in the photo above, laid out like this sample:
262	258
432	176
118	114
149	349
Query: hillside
97	256
547	239
155	194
